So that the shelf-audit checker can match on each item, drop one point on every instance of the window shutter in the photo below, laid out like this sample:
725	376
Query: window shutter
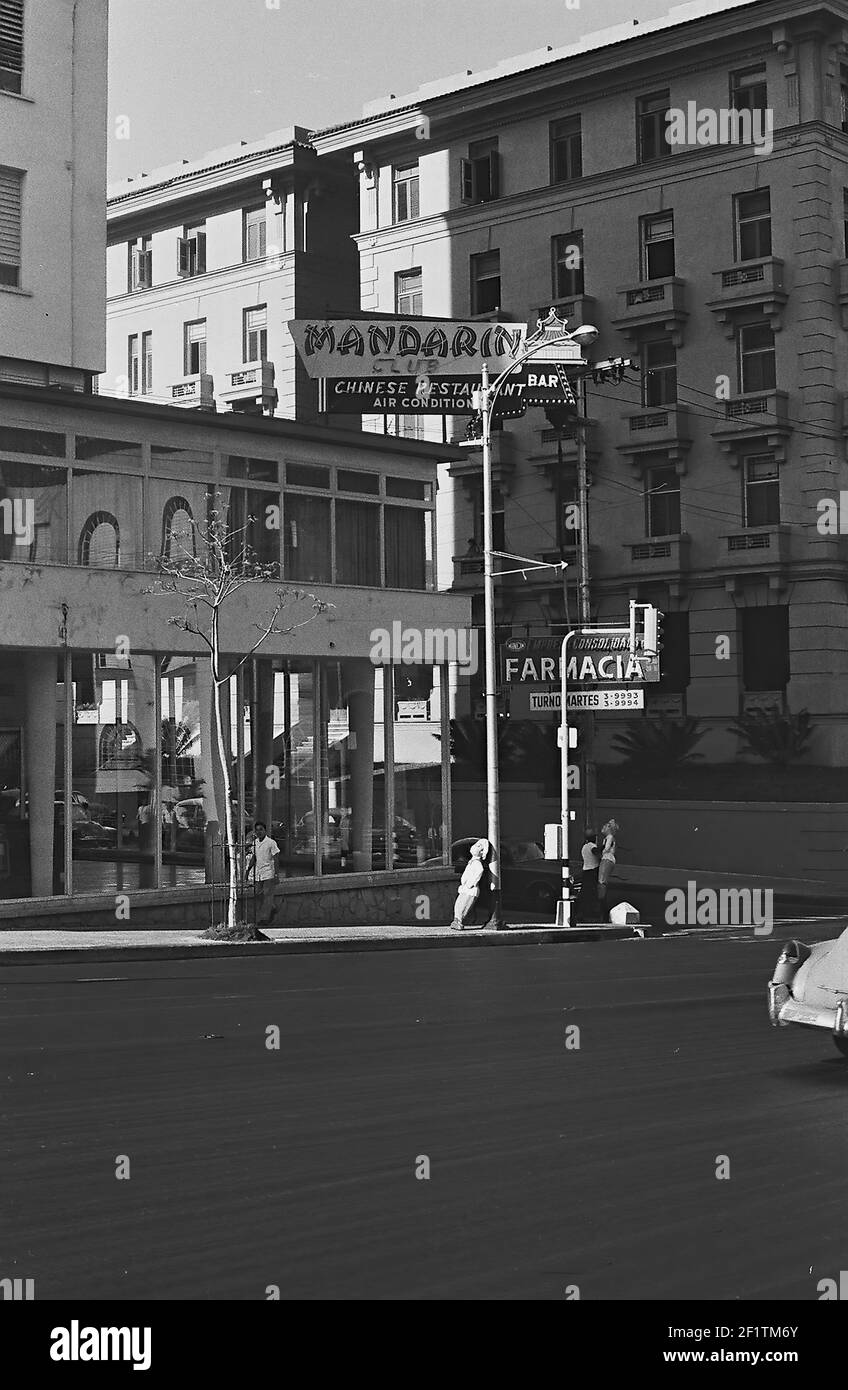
466	180
10	217
201	252
11	42
183	256
197	332
494	174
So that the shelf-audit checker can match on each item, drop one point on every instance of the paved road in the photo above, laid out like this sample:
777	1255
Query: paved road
549	1166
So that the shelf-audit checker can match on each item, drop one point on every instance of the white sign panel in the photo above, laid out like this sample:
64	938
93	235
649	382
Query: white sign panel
405	347
542	701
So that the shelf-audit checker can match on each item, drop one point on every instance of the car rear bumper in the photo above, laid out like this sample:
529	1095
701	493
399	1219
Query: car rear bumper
783	1010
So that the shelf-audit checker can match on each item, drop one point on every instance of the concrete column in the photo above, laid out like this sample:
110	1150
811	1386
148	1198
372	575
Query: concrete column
359	680
40	763
210	771
263	740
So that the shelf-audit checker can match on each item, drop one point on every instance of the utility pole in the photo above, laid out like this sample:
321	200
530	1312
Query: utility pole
584	612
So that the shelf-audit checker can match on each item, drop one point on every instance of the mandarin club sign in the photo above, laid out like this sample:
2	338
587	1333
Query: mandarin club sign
403	348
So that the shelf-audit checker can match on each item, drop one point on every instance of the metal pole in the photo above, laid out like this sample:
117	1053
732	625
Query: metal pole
491	698
563	916
583	604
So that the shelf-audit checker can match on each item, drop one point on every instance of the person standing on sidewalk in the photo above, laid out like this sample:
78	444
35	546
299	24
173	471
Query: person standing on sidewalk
262	870
469	885
587	898
607	864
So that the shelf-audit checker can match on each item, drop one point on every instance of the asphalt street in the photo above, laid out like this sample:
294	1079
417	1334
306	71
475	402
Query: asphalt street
550	1166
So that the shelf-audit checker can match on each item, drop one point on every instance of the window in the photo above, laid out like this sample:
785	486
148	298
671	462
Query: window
406	558
11	45
133	364
307	475
255	337
255	234
480	172
659	373
350	481
657	235
753	225
179	538
146	364
567	256
405	192
191	250
11	183
306	539
566	144
140	268
845	222
652	127
486	282
662	502
748	89
409	427
843	98
409	296
762	491
357	543
756	357
100	542
765	647
195	347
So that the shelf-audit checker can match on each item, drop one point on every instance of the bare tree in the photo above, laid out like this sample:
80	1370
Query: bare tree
205	567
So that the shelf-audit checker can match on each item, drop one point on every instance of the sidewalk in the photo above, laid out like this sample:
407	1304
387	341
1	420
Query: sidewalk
22	947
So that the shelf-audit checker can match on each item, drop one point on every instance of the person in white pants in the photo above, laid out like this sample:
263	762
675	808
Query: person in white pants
469	884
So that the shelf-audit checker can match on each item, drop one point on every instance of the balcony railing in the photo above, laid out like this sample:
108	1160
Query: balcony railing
251	383
749	285
757	545
197	392
653	304
663	427
754	415
660	553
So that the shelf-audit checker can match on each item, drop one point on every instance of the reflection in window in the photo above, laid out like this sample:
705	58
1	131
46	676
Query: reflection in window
357	543
406	566
307	539
33	512
100	542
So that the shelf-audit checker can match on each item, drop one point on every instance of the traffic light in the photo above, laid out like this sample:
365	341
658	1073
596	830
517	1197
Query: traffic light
652	629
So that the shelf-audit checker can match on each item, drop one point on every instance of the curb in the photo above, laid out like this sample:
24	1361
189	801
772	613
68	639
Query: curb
513	936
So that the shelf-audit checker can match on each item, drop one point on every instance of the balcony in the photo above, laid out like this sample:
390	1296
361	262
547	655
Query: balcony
194	392
660	427
251	385
757	549
660	555
468	572
752	417
653	305
746	286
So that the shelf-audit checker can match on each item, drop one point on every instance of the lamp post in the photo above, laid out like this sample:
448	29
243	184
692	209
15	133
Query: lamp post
550	335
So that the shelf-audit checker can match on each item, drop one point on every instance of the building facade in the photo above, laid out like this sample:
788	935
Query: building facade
716	257
52	183
208	261
111	783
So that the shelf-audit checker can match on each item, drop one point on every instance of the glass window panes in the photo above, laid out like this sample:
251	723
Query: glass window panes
33	513
566	142
663	502
651	126
756	357
406	559
659	373
486	282
258	470
753	225
255	345
762	491
405	192
413	488
357	543
658	246
307	475
43	443
748	89
350	481
567	253
166	457
307	539
118	451
255	234
408	293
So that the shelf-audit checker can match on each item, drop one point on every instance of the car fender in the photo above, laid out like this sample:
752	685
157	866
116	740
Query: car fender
823	977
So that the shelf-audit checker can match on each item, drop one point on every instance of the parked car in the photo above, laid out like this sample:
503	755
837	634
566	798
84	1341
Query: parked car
809	987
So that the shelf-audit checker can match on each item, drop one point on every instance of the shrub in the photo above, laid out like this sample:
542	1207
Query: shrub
659	743
773	736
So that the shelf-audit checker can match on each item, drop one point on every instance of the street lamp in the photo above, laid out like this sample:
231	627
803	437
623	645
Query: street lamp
550	338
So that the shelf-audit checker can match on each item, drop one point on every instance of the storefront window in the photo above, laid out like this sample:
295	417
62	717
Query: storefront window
113	747
306	534
353	801
417	746
107	527
190	812
175	508
406	547
357	543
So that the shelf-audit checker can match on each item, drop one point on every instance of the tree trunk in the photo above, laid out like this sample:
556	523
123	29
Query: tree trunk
232	868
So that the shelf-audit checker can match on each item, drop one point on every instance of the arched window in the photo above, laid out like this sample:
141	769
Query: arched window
179	537
120	747
100	542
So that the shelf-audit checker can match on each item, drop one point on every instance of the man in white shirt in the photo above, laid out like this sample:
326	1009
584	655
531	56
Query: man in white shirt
262	870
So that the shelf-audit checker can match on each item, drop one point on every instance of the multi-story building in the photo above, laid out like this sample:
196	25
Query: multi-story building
112	790
207	262
52	178
715	255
